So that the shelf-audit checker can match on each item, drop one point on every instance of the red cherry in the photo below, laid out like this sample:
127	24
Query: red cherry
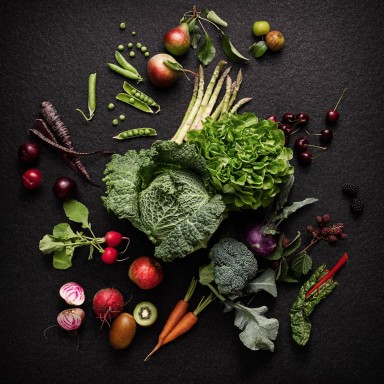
32	178
305	157
332	116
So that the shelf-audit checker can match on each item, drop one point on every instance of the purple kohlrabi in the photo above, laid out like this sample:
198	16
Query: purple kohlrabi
258	242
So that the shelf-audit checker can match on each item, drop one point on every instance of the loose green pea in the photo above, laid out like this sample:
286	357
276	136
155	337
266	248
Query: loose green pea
120	47
122	26
130	45
133	33
122	117
115	122
146	54
143	49
132	54
138	45
111	106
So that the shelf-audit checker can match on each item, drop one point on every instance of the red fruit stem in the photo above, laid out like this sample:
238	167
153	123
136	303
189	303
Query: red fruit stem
343	259
338	101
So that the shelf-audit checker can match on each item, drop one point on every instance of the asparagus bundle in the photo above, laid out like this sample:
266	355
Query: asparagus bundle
203	102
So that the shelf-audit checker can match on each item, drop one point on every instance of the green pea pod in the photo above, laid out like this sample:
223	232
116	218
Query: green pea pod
125	72
258	49
91	97
136	132
134	92
137	103
124	63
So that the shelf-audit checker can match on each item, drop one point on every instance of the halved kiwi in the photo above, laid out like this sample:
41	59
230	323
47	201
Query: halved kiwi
145	314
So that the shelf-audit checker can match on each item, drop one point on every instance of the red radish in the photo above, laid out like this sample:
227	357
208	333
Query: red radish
72	293
71	319
107	304
110	255
114	238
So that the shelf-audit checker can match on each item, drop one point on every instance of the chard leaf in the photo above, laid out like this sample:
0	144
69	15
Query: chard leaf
231	52
266	282
258	332
207	51
301	264
63	259
76	212
303	307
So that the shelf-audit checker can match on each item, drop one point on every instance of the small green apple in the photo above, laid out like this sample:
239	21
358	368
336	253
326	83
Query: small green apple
261	28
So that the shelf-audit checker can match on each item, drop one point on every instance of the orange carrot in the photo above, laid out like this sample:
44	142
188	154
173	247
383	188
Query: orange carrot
174	317
186	323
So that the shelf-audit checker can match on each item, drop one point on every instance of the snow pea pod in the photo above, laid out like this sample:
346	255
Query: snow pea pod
137	103
140	95
125	72
136	132
124	63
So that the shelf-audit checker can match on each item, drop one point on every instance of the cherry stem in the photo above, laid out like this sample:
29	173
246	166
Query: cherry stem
316	146
338	101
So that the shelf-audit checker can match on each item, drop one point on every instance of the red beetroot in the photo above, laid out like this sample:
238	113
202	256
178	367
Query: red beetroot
107	304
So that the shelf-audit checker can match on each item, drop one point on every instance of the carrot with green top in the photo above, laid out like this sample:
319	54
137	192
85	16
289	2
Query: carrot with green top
173	330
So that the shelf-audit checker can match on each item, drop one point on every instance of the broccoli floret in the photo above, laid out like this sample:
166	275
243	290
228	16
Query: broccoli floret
234	265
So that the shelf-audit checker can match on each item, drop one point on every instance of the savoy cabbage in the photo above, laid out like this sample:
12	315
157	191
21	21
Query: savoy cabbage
164	192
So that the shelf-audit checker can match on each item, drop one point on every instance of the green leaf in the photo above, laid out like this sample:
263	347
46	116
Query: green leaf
282	272
294	207
207	274
195	36
293	245
278	252
49	244
258	332
266	282
207	51
76	212
301	264
258	49
174	65
63	259
231	52
63	231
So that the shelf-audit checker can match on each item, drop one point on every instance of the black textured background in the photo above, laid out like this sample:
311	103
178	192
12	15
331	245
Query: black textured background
48	49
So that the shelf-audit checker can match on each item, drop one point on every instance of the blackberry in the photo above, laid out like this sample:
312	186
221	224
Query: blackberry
356	205
349	189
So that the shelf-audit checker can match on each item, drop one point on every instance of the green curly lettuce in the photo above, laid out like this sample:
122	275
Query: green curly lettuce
247	159
164	192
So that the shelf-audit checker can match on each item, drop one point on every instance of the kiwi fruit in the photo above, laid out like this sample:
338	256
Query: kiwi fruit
145	314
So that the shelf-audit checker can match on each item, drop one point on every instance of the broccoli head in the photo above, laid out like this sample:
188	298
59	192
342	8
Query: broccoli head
234	265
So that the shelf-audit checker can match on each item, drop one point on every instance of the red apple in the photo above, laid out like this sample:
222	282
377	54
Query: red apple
146	272
159	73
